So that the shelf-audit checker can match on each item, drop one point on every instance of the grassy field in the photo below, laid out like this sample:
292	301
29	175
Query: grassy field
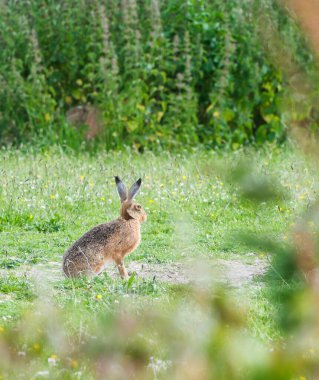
197	209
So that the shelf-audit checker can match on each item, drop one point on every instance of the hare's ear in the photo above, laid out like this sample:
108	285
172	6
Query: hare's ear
134	189
121	189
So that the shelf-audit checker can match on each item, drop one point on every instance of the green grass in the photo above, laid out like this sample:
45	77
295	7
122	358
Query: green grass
195	210
49	200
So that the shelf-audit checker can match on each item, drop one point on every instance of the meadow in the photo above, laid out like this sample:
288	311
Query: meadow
206	102
202	213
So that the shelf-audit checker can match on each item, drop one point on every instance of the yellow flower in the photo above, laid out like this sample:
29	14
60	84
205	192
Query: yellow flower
302	378
302	196
261	255
216	114
55	357
184	177
102	199
36	346
151	201
52	196
68	100
30	216
79	82
81	177
98	296
47	117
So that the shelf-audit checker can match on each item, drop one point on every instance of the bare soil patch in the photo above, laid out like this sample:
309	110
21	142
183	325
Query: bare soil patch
228	272
233	273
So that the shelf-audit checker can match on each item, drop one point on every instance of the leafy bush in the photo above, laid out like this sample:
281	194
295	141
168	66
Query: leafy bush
170	74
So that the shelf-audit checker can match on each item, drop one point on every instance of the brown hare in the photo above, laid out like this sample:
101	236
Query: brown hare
109	241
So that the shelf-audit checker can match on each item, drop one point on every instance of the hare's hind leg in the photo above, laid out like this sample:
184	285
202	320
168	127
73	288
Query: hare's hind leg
121	267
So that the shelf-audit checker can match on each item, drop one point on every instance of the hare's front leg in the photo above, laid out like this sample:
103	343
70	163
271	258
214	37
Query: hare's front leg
121	267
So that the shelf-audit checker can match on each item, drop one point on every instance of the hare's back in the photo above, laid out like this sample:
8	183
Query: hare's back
98	236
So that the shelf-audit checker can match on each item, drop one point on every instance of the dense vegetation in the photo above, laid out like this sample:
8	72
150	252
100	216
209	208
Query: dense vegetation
169	73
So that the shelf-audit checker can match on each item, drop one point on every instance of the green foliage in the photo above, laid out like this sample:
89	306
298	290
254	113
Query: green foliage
20	287
171	74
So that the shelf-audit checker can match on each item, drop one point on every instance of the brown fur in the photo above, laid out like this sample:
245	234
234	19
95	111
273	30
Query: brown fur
105	242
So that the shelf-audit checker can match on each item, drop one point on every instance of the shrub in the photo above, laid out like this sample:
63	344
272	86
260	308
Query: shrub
171	74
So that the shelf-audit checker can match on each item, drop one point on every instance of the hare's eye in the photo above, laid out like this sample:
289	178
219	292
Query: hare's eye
138	207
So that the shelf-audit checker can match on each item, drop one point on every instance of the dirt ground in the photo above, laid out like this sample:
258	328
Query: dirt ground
233	273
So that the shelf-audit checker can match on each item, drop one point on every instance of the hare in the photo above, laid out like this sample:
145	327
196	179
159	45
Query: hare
109	241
